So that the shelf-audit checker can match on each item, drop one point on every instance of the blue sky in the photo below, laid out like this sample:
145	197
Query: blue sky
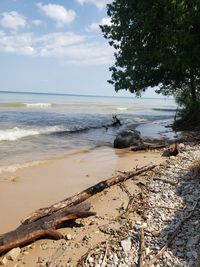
55	46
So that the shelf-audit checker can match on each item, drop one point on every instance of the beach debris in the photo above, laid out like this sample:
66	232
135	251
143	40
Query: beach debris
142	248
84	195
173	149
116	121
68	237
126	244
44	227
13	254
147	146
171	195
4	261
170	236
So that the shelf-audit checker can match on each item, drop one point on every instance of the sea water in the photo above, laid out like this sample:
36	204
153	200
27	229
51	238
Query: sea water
35	126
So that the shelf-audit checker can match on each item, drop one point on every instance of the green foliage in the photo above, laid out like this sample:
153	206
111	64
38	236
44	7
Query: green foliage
189	112
157	43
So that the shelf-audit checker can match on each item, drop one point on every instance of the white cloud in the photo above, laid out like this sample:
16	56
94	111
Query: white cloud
37	22
13	20
95	26
16	43
100	4
66	46
57	13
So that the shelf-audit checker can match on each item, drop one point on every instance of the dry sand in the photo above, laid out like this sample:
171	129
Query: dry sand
52	181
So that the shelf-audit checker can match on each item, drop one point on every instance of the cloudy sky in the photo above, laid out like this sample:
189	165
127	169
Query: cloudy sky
55	46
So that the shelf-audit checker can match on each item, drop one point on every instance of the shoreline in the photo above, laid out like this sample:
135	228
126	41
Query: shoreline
116	226
45	183
151	131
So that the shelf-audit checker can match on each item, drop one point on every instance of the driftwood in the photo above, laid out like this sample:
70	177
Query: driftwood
172	236
82	196
171	150
142	248
45	227
103	264
147	147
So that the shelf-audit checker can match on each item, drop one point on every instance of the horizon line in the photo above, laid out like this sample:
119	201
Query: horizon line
69	94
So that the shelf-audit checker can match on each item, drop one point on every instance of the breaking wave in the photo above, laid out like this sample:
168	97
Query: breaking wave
38	105
25	105
121	108
18	133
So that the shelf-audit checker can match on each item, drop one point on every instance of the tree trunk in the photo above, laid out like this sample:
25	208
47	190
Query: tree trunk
82	196
45	227
192	88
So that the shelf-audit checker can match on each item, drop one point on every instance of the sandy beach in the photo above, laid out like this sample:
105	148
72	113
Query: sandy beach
111	236
30	188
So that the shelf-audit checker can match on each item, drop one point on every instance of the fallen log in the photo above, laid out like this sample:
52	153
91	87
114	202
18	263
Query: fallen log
82	196
147	147
45	227
171	150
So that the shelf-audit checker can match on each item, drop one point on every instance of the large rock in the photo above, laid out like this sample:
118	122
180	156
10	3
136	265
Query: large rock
127	138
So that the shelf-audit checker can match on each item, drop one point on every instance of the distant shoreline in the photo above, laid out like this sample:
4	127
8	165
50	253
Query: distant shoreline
79	95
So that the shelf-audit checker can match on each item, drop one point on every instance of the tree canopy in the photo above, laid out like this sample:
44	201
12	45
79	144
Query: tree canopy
157	43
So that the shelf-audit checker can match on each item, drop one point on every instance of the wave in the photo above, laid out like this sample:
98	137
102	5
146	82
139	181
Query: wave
18	133
38	105
165	109
15	167
121	108
26	105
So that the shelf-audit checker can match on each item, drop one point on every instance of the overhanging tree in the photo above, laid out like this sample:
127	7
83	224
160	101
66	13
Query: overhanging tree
157	43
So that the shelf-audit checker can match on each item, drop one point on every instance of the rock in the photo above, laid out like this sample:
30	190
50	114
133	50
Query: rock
126	244
13	254
127	138
193	241
115	259
68	236
181	146
91	260
173	149
4	261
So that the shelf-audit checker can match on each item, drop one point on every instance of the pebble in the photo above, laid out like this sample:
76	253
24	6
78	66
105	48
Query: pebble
13	254
4	261
91	260
159	223
68	236
126	244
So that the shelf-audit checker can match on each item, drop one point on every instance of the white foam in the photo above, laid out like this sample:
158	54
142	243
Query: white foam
14	168
38	105
18	133
121	108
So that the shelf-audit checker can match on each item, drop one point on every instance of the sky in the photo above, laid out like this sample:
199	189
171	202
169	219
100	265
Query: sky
56	47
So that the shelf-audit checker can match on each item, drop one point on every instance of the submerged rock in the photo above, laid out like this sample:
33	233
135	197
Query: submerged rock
127	138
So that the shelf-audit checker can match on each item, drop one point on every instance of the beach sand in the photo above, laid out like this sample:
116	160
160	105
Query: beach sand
34	187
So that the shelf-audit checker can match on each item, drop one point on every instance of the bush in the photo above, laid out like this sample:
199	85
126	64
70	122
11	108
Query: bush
189	111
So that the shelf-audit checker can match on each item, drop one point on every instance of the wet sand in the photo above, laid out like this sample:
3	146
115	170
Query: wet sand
30	188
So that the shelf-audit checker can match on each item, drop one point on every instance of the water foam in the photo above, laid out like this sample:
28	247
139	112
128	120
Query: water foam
38	105
121	108
18	133
15	167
